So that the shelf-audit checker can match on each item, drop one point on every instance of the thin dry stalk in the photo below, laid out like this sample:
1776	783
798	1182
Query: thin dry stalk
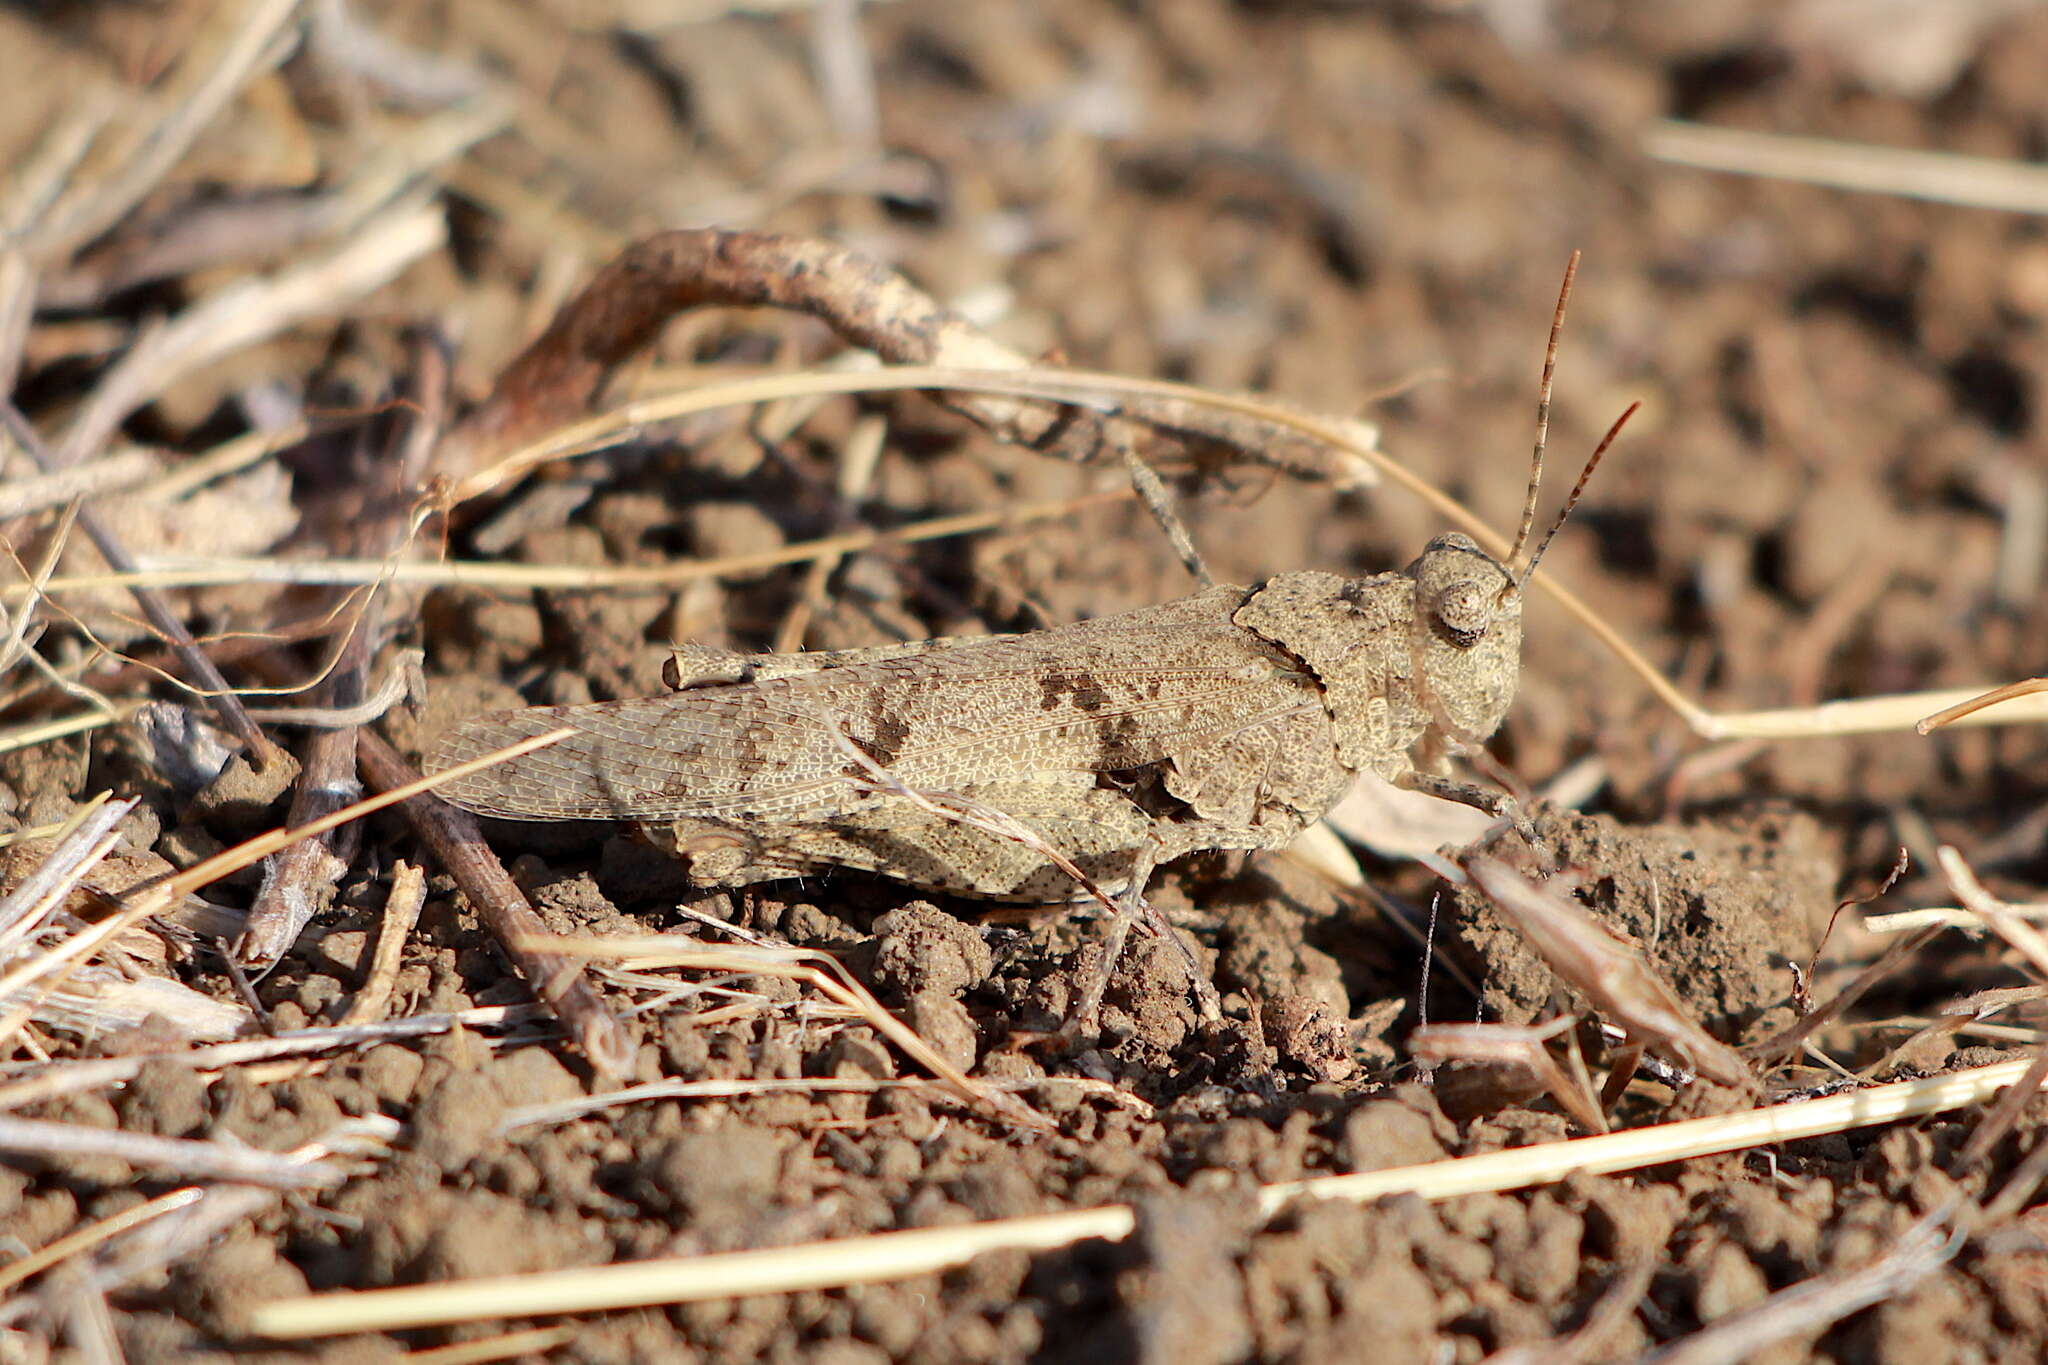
2028	687
86	1238
173	571
525	1116
899	1255
160	616
205	1160
241	45
1942	177
1948	917
2027	940
1874	715
1611	975
37	493
52	1080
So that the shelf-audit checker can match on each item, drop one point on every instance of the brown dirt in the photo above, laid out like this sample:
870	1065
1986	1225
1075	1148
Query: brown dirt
1327	201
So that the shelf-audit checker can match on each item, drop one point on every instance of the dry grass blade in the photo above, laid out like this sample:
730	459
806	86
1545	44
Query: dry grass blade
90	837
898	1255
207	1160
54	1079
246	41
1874	715
90	1236
2029	941
564	1111
251	310
1973	181
169	571
1948	917
1608	973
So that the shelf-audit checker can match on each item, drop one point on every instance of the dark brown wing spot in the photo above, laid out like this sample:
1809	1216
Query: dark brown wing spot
1087	694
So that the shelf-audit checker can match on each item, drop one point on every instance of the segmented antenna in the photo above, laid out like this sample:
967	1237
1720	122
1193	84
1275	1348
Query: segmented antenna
1571	271
1572	500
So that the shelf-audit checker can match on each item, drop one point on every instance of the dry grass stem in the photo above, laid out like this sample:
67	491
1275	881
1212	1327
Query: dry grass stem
172	572
244	42
1947	917
898	1255
1942	177
91	1235
52	1080
205	1160
2029	941
39	492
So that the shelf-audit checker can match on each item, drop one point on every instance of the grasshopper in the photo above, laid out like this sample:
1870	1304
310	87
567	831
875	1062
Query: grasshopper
1229	719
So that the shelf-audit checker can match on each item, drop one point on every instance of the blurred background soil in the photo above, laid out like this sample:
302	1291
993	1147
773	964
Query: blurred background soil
1835	489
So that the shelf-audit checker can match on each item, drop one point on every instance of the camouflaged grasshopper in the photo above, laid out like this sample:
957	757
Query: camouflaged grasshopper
1230	719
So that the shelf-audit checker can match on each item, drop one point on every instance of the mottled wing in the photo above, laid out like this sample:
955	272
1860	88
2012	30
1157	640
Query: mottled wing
1105	695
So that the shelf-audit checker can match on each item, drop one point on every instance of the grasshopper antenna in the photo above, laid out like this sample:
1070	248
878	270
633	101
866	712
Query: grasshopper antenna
1572	500
1564	293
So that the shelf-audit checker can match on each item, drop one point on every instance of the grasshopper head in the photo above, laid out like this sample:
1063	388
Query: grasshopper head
1467	640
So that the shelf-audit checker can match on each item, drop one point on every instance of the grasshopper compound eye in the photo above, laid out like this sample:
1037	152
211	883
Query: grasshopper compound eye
1460	590
1462	612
